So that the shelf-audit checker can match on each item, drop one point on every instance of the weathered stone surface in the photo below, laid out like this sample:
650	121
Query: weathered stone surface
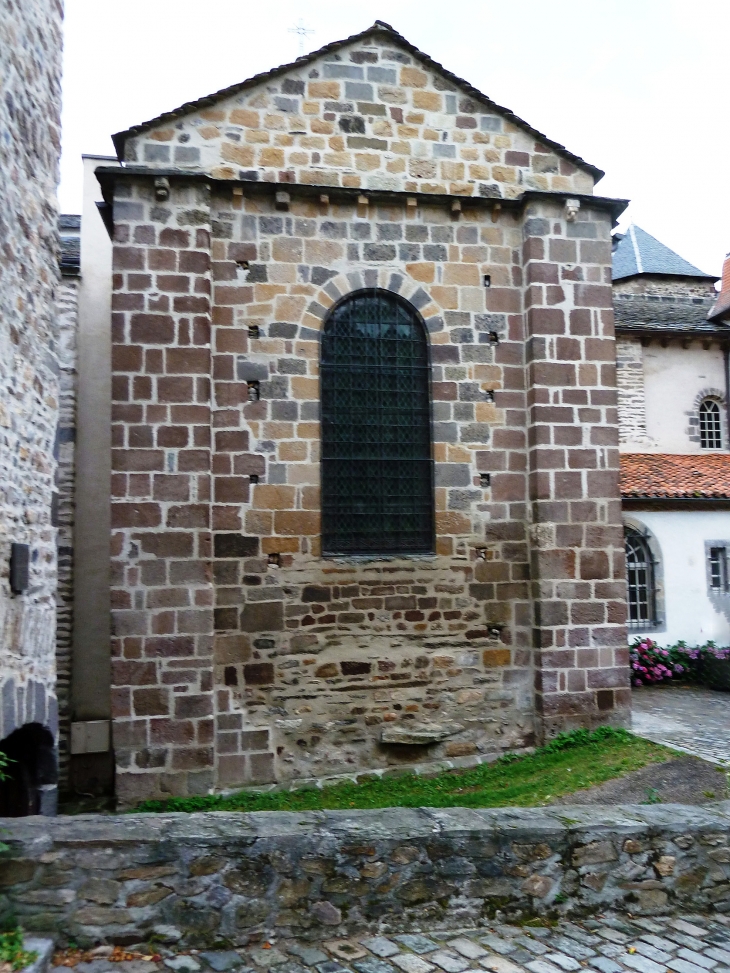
516	612
594	853
537	885
417	734
30	390
365	875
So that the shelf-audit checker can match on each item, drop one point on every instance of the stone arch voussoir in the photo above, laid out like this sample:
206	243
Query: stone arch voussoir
383	278
693	427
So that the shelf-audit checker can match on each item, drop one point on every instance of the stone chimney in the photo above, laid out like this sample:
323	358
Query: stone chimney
720	310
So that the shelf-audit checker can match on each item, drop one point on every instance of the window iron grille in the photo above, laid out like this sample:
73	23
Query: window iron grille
377	468
718	568
710	425
640	581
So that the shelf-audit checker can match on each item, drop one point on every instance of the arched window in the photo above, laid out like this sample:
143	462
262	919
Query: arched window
640	581
710	425
377	470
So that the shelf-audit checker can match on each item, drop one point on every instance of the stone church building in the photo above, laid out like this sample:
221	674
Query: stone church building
365	504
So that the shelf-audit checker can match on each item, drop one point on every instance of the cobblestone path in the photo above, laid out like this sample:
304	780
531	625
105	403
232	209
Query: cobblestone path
607	944
691	717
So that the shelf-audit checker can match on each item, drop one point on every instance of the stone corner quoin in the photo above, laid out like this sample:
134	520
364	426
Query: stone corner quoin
240	655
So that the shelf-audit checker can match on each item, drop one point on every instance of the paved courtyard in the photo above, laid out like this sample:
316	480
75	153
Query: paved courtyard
607	944
693	718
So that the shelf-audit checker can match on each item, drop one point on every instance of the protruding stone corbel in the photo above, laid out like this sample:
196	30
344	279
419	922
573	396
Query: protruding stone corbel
571	209
456	209
362	206
283	200
162	188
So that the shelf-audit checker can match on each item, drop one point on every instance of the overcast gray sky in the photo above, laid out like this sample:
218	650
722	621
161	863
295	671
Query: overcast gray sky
636	87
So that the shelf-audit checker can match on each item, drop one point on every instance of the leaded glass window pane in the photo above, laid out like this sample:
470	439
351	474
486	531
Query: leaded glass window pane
377	470
640	581
710	425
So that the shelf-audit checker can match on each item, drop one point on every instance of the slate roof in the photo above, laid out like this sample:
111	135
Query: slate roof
379	27
665	476
638	252
665	314
69	230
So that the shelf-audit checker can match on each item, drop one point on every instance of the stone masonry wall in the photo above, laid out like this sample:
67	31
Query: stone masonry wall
577	567
223	608
369	115
658	301
631	392
201	879
30	54
68	295
338	650
240	654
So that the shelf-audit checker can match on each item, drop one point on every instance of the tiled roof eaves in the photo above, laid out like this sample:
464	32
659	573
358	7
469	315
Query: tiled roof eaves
664	314
653	275
646	501
668	330
107	175
379	27
666	476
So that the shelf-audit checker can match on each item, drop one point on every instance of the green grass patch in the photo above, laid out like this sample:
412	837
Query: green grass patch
570	763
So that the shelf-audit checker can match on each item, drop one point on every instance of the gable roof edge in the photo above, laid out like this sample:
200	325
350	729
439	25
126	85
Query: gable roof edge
119	138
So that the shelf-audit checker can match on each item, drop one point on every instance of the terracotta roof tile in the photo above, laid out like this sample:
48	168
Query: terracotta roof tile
671	476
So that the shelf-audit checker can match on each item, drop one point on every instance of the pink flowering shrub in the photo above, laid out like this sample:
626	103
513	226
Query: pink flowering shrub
650	663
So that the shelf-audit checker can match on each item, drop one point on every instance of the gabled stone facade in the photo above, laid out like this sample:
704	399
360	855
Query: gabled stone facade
240	654
371	113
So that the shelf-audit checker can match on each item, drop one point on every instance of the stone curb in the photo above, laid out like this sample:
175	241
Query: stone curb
44	948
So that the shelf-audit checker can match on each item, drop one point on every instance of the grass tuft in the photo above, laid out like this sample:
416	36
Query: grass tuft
571	762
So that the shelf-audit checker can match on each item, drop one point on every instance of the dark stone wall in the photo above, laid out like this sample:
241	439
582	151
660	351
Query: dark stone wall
30	51
199	879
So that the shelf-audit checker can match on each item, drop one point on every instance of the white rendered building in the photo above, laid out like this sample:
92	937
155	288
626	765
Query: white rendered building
672	375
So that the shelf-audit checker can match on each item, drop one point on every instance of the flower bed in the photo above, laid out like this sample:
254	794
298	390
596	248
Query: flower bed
707	664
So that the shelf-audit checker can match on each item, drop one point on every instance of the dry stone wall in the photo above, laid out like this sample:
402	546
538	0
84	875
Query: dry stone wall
201	879
30	52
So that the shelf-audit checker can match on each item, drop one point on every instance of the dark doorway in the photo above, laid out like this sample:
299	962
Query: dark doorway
31	775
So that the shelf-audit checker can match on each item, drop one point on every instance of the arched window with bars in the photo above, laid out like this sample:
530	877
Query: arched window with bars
377	467
640	581
710	424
